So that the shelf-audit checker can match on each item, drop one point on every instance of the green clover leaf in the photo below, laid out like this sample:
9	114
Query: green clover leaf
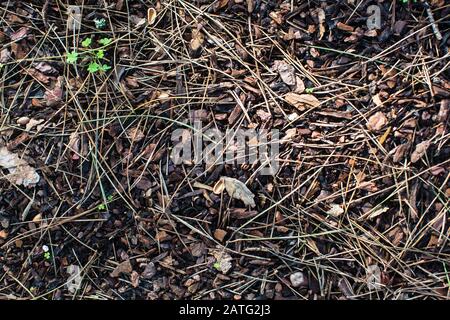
72	57
93	67
309	90
100	54
104	67
86	42
105	41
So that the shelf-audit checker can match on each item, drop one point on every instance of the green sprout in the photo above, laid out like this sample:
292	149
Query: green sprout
47	255
109	198
309	90
104	67
86	42
105	41
100	23
217	265
100	54
94	55
72	57
93	67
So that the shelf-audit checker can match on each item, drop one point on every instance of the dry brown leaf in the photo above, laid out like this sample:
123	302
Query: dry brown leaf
33	123
321	17
151	16
219	187
277	17
236	189
420	151
20	173
376	99
197	40
134	279
299	85
123	267
135	134
300	101
39	76
53	97
219	4
37	218
74	18
3	234
220	234
223	261
286	72
399	152
5	55
263	115
20	34
377	121
74	145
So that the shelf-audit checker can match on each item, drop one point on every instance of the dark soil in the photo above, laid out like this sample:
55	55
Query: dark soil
358	209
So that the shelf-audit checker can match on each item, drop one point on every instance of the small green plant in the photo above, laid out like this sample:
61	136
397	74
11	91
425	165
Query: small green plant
95	55
102	206
217	265
309	90
105	41
86	43
72	57
100	23
46	250
100	54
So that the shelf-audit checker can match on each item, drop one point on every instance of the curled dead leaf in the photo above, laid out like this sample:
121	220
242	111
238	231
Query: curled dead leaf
236	189
420	151
20	173
286	72
53	97
151	16
399	152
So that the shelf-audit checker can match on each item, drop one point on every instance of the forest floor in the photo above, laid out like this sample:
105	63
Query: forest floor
93	205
